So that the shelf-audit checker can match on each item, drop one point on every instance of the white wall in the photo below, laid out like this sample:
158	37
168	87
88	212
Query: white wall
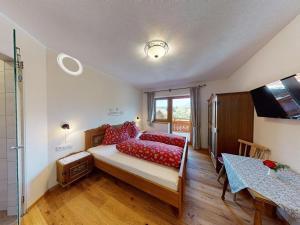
276	60
35	107
83	101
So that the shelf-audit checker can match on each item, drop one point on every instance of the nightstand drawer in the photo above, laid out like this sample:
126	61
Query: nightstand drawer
78	169
73	167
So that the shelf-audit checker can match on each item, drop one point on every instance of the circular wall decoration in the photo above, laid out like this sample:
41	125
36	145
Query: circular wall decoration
60	61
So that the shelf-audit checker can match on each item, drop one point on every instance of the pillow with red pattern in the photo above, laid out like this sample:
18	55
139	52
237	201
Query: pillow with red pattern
168	155
115	135
105	126
169	139
132	129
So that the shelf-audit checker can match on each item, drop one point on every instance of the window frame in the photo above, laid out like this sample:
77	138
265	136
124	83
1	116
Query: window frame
169	108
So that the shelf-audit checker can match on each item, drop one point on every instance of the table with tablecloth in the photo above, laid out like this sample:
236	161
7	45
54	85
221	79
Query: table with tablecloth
283	188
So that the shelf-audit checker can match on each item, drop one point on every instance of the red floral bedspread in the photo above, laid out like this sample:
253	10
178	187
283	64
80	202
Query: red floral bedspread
169	139
168	155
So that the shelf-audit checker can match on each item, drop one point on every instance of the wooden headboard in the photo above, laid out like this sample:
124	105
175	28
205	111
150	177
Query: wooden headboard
94	137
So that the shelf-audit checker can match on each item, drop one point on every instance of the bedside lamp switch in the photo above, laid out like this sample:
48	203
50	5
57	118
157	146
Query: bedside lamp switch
63	147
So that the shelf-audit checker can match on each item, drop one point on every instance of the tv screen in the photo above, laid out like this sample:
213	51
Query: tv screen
280	99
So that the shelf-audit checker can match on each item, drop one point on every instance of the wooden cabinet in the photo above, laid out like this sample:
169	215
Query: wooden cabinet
73	167
230	117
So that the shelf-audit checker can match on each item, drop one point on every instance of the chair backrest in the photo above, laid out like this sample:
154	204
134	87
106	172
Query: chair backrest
253	150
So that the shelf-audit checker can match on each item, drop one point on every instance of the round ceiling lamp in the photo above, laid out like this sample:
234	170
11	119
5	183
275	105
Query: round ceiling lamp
156	49
60	61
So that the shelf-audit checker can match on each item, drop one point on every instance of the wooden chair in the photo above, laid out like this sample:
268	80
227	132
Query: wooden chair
247	149
253	150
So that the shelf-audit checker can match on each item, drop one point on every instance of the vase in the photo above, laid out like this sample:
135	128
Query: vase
272	173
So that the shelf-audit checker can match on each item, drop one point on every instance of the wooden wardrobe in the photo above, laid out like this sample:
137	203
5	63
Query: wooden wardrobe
230	117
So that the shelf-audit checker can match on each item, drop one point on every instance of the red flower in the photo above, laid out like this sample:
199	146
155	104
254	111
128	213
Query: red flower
270	164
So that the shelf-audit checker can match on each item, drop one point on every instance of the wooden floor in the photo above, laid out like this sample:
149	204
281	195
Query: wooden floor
102	199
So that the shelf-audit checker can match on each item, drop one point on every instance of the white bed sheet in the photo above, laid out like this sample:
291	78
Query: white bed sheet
163	175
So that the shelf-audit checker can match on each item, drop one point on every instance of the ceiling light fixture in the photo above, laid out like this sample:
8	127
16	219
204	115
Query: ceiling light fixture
60	61
156	49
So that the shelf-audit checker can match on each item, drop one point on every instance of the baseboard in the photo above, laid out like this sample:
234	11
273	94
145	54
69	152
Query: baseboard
43	195
53	188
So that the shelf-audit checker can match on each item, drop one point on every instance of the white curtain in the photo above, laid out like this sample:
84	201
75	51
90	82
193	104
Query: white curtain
196	116
150	107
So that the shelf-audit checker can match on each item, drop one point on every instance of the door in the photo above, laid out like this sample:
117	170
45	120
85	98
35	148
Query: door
181	117
212	128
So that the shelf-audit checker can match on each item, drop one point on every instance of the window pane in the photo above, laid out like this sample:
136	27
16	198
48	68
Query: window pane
181	113
161	108
182	108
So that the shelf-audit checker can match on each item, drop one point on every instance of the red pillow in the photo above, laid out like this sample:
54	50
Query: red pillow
132	129
169	139
105	126
168	155
115	135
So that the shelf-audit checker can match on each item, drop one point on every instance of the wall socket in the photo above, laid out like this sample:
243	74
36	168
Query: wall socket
63	147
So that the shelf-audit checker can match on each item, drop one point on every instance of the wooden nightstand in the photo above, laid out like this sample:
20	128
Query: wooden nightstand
73	167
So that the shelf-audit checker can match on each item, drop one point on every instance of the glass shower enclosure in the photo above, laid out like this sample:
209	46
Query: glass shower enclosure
11	138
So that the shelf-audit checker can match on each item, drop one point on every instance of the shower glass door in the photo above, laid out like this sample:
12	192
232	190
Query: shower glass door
18	147
11	137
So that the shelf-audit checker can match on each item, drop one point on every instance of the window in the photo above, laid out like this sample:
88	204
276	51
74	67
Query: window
168	109
161	110
181	109
177	112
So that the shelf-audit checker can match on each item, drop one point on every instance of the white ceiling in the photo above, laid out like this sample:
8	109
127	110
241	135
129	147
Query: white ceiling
208	39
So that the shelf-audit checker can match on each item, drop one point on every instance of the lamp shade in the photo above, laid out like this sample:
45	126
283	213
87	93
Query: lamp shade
65	126
156	49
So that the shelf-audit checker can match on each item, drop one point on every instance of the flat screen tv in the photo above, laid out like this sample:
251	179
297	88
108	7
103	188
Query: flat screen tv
280	99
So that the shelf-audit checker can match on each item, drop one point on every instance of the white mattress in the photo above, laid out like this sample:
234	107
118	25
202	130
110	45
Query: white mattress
163	175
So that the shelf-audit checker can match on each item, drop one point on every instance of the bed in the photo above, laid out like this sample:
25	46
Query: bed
162	182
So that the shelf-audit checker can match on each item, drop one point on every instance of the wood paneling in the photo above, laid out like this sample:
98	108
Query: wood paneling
103	199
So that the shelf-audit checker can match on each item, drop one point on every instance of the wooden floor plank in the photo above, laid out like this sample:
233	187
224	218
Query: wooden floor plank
101	199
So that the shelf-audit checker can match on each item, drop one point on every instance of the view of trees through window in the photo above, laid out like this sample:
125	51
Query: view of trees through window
161	107
181	117
181	109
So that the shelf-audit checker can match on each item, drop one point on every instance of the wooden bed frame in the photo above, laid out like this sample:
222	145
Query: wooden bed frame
94	138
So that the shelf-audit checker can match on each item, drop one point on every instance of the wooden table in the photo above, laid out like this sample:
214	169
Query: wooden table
259	202
281	188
